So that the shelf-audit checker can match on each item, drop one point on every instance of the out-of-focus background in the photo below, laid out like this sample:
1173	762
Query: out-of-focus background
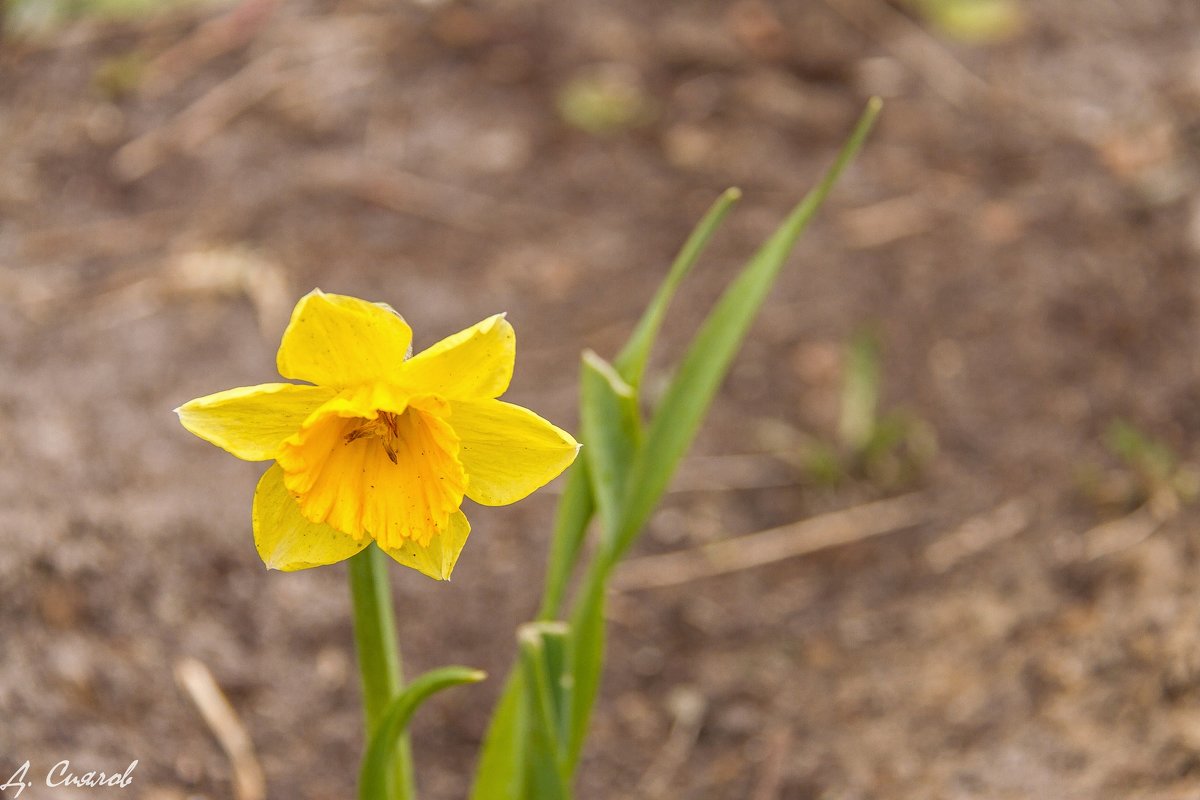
994	320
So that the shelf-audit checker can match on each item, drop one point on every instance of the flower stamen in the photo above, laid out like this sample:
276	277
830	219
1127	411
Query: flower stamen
383	428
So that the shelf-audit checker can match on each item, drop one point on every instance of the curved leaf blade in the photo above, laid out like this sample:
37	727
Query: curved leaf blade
373	777
630	363
612	426
501	771
575	510
677	420
711	352
541	647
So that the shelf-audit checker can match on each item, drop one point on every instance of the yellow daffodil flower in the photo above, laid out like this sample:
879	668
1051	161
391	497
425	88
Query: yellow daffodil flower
381	446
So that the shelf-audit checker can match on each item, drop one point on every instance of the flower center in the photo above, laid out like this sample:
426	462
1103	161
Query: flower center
384	428
394	476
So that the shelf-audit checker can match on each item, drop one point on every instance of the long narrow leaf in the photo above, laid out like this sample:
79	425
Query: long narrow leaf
372	784
501	771
677	420
497	777
575	509
555	638
612	427
586	660
577	504
712	350
631	361
545	765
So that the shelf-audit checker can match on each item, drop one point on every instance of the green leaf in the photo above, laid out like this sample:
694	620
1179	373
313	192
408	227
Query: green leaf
612	429
575	509
498	776
502	764
373	779
630	363
725	327
501	771
547	775
576	506
586	659
712	350
555	640
676	422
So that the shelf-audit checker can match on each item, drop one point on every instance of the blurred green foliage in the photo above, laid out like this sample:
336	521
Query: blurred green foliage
34	17
604	100
1146	456
120	75
974	21
890	449
1149	471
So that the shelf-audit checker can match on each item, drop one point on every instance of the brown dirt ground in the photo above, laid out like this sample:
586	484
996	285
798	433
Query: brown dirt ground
1023	232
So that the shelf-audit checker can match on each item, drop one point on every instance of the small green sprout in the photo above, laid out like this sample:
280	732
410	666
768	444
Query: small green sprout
889	449
1150	472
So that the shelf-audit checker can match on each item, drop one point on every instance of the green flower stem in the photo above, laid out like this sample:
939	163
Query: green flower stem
379	655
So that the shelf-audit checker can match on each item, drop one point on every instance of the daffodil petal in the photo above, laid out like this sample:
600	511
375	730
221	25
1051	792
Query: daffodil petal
285	540
335	340
475	363
436	559
507	451
366	401
252	421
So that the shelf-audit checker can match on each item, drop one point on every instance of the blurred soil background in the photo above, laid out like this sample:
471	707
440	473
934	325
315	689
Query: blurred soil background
1021	238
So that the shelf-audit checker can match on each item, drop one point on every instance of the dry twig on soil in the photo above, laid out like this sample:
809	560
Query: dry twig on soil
687	706
203	119
1121	534
198	682
213	38
979	533
775	544
779	745
405	192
